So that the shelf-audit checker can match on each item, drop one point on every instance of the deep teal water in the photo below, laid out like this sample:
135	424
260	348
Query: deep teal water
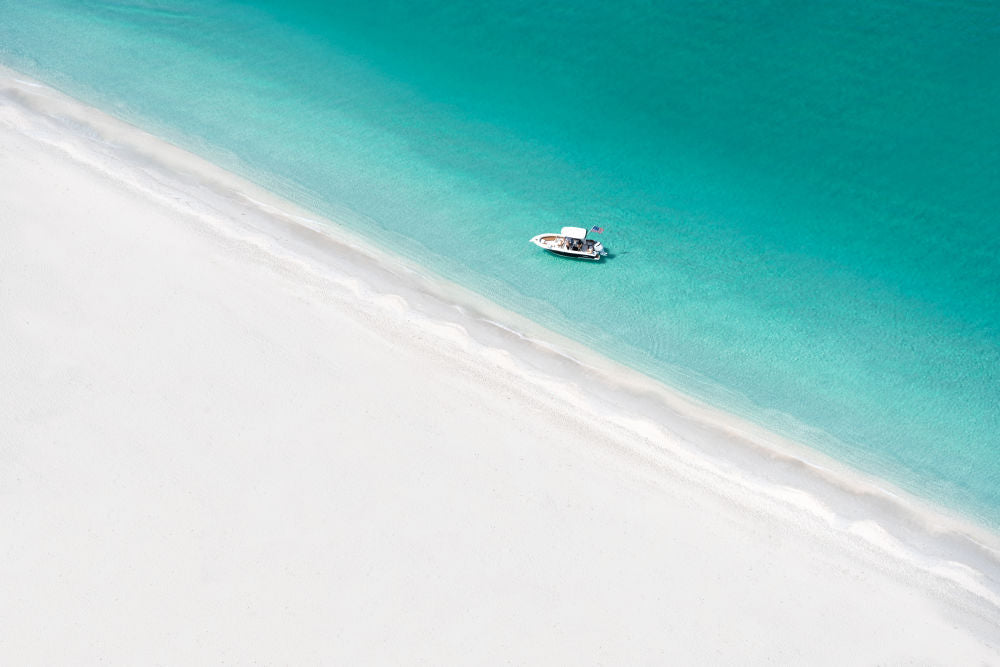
801	199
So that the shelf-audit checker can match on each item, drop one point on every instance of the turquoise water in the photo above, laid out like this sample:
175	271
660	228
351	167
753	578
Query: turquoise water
800	199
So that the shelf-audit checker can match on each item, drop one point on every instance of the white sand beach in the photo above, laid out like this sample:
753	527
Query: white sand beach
226	437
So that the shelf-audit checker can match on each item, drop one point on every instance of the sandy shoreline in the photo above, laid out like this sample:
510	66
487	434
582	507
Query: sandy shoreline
230	436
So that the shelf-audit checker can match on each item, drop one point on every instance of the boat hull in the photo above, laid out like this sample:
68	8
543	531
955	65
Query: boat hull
575	255
556	244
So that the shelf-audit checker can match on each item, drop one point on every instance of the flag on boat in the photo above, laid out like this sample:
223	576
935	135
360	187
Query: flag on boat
599	230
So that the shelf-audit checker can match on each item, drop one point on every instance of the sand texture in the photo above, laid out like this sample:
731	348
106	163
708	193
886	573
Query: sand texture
218	446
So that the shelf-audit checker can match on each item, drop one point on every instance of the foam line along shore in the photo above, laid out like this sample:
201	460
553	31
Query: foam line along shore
798	204
153	297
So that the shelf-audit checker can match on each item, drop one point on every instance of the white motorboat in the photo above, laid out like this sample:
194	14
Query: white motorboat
571	242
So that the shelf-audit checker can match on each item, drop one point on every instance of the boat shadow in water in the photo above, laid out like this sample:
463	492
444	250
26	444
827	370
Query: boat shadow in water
606	257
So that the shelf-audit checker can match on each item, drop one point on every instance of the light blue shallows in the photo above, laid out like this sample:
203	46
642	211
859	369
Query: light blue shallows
802	200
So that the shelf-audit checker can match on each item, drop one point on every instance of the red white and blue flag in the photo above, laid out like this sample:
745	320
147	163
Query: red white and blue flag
599	230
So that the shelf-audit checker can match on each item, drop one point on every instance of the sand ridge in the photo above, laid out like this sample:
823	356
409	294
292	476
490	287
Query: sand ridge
214	450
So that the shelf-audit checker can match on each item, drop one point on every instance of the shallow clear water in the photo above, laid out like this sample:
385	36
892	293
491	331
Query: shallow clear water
800	199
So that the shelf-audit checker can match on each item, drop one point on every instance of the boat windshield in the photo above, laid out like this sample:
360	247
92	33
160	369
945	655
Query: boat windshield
578	233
